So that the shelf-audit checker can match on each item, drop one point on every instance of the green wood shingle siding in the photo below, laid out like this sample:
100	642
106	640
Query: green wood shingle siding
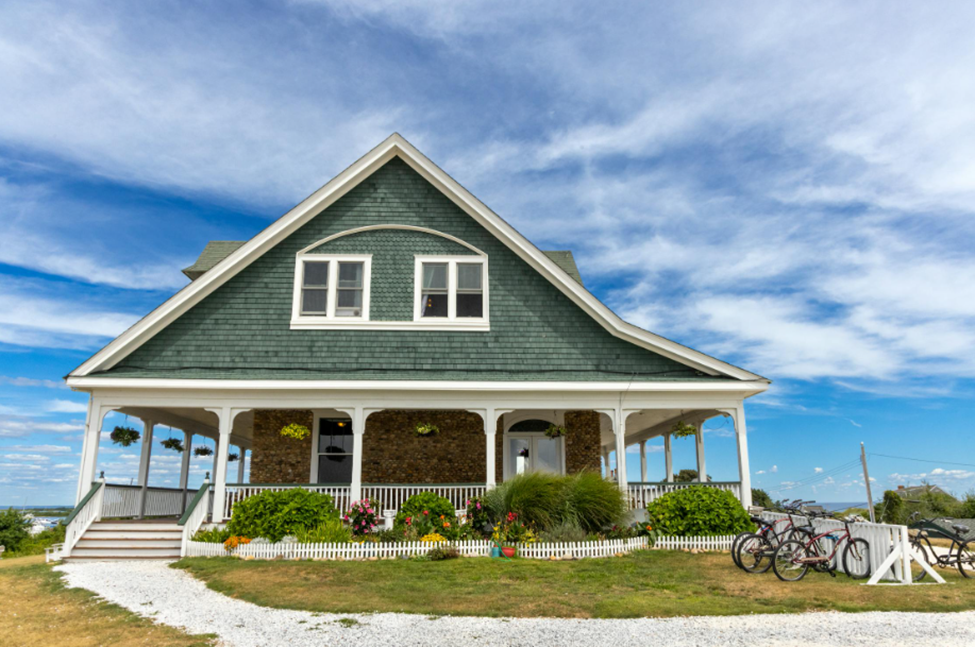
242	330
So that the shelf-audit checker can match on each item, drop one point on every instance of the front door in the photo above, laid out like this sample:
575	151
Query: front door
533	452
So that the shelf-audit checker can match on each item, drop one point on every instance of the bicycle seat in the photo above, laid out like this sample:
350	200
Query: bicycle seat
805	528
960	529
757	520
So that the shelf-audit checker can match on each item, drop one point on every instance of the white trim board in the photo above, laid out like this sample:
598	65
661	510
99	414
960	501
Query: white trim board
396	146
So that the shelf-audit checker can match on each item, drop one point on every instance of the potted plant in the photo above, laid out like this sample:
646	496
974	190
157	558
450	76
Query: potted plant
681	429
232	457
296	431
203	450
174	444
555	431
426	429
125	436
523	452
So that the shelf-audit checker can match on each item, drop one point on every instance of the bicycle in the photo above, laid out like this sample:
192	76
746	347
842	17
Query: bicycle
752	551
960	553
794	558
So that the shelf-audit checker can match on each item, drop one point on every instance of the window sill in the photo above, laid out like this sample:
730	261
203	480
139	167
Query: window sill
351	324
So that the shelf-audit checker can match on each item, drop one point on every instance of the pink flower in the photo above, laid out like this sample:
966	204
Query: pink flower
369	510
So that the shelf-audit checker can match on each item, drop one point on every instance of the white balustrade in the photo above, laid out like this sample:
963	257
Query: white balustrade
640	494
393	496
197	513
126	501
235	493
81	518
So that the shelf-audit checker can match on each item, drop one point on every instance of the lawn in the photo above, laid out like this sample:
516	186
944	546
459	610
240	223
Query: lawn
36	609
645	584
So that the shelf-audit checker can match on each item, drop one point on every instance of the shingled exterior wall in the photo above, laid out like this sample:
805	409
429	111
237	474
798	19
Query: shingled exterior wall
274	458
393	453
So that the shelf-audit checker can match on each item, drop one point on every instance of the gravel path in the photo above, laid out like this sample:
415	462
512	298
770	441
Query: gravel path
175	598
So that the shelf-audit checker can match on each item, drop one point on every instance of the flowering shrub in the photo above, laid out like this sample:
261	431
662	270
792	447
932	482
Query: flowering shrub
424	506
477	513
362	517
512	530
432	538
234	542
296	431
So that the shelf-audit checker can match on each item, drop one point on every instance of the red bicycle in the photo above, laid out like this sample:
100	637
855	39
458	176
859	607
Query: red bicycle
794	558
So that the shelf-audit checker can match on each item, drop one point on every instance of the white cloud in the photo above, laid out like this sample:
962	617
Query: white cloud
43	449
26	457
775	468
28	381
817	470
66	406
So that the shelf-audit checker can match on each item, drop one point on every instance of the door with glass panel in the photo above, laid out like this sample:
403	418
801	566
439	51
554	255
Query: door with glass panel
533	452
334	450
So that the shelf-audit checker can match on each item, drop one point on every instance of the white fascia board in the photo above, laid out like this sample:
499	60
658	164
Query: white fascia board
163	384
396	145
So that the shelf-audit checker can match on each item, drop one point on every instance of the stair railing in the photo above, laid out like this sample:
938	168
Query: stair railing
195	515
87	512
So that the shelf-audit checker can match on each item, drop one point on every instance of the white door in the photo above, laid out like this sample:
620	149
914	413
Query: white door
533	453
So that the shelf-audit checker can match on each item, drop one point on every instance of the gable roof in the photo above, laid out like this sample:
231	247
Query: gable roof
217	250
396	146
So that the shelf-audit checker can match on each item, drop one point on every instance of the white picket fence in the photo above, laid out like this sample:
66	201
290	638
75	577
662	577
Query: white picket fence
883	539
720	542
367	550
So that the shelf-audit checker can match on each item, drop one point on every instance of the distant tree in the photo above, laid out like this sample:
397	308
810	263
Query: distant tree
892	509
761	498
687	476
14	529
967	508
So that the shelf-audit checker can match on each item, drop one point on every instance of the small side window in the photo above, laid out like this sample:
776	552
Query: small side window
434	295
314	289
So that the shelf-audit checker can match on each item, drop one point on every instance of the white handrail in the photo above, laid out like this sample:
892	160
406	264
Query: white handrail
89	511
194	517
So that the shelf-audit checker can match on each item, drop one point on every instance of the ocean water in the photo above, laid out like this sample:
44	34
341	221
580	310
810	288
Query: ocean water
843	505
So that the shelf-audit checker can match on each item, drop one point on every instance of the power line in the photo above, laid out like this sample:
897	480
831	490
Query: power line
922	460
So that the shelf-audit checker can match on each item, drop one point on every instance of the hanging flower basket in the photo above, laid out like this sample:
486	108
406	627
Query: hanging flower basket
203	451
682	429
174	444
125	436
555	431
523	452
232	457
425	429
296	431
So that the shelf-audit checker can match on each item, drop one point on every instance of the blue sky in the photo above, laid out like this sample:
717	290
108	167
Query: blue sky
788	187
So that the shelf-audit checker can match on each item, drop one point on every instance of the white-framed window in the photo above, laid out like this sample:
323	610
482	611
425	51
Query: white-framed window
451	291
331	290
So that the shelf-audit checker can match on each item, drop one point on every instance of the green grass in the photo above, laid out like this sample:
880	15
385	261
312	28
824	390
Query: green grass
646	584
37	609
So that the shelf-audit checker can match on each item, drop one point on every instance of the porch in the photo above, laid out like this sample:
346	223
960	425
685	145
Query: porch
361	452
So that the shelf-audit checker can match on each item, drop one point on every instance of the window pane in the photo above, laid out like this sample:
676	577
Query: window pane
434	305
547	457
316	275
313	301
350	298
469	276
350	275
334	469
434	276
518	458
470	305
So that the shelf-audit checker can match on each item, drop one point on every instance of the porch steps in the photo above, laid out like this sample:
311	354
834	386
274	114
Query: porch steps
109	541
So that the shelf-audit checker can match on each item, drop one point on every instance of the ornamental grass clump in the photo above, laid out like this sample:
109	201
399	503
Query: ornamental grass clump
698	511
535	497
274	514
591	502
332	531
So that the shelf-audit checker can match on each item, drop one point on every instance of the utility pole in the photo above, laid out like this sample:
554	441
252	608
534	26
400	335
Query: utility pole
866	480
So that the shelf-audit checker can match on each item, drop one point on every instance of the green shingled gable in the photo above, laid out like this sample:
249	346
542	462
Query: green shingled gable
242	330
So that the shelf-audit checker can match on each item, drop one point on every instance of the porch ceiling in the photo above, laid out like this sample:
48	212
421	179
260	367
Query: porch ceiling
651	423
197	421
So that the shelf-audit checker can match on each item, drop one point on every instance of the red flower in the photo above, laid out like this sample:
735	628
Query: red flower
426	512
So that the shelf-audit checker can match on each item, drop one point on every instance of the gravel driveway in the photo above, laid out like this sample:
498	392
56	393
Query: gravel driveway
175	598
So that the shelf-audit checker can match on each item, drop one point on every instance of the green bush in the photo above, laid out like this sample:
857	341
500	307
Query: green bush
441	553
212	536
332	531
696	511
14	529
273	515
967	508
35	544
433	504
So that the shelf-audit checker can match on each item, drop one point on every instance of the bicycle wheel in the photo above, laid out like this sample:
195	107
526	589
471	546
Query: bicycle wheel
918	552
734	547
966	560
856	558
755	553
788	562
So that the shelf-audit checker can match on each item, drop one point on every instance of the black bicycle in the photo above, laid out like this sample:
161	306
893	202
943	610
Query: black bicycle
960	554
752	551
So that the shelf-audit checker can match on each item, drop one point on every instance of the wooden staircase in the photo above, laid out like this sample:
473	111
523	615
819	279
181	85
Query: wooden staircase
142	539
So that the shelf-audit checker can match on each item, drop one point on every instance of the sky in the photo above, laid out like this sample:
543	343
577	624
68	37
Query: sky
790	187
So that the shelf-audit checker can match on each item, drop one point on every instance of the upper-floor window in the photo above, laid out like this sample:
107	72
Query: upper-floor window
331	287
451	290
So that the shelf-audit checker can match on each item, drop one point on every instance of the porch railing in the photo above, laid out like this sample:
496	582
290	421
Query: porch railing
640	494
239	491
126	501
391	496
85	513
196	513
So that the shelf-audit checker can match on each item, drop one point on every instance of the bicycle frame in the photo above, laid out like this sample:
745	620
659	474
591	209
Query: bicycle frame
814	545
942	561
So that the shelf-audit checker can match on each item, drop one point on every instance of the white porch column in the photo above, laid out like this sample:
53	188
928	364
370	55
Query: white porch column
702	472
216	457
225	416
89	451
606	460
744	472
358	431
643	460
184	467
241	454
490	447
619	426
668	459
148	427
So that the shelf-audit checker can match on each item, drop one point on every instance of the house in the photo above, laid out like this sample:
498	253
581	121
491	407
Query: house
392	298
